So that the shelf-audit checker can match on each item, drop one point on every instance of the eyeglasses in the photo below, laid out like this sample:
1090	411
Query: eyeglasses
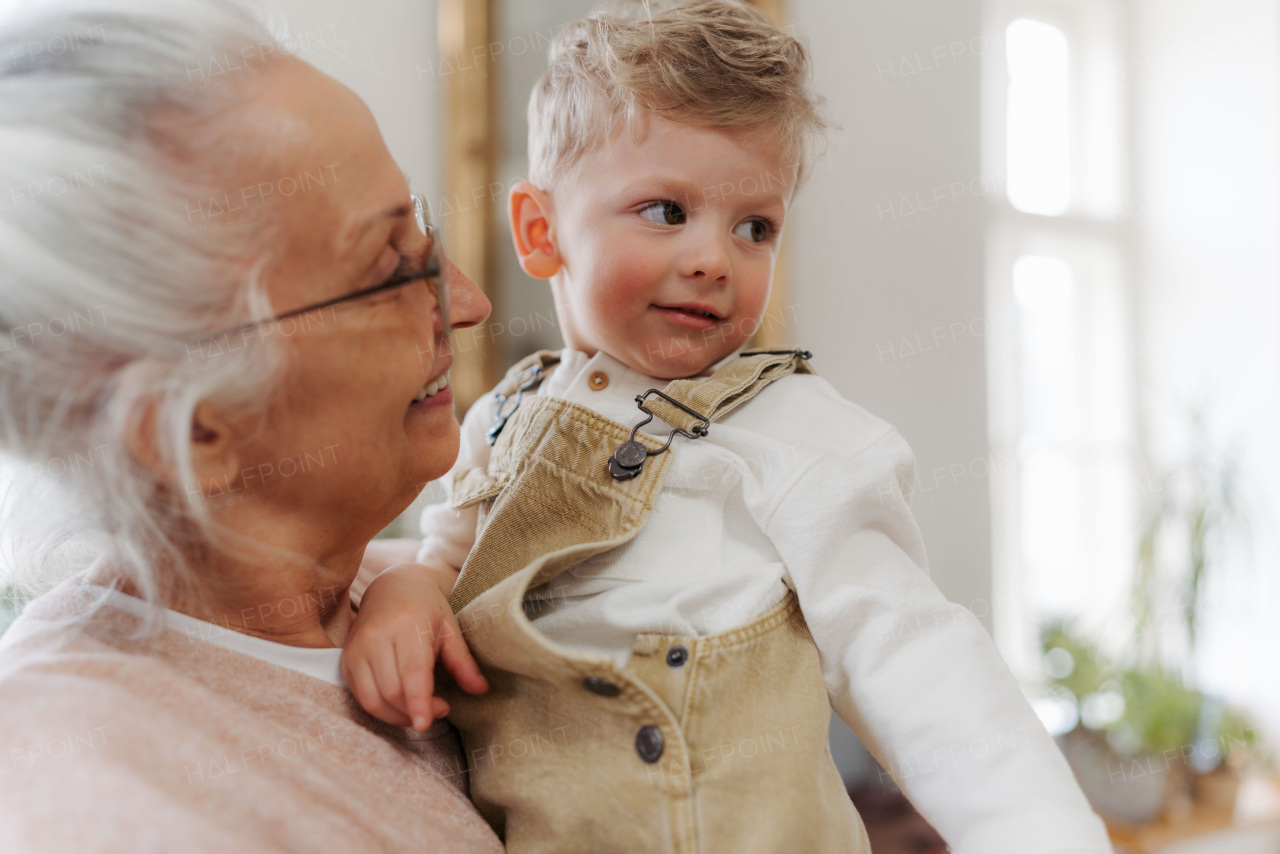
432	273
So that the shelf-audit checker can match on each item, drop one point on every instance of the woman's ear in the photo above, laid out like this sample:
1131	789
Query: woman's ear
214	459
532	231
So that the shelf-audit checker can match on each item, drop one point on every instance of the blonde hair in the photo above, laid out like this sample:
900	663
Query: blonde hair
714	63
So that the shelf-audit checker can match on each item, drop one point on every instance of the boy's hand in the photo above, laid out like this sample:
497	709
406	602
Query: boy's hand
404	626
380	555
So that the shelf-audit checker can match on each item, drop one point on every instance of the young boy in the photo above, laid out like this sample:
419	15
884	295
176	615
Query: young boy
665	617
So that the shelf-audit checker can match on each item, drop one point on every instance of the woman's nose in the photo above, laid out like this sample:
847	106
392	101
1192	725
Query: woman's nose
468	306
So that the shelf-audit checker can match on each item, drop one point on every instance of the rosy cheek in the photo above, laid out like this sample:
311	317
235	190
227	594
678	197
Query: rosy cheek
626	279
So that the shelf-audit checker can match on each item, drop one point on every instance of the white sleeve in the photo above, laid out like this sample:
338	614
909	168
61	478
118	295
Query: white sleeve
449	534
916	677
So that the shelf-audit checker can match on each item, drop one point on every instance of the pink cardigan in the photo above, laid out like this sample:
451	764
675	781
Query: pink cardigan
173	744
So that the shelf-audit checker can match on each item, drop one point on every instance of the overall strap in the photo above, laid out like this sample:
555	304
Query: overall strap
691	406
525	375
519	373
731	386
558	495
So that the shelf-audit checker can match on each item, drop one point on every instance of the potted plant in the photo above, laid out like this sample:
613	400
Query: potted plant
1193	518
1194	514
1144	742
1126	720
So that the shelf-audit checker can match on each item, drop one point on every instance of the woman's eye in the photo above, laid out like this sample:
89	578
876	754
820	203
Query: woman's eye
663	213
387	265
755	230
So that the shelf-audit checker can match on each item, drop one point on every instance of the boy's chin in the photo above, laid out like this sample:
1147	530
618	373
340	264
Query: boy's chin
679	364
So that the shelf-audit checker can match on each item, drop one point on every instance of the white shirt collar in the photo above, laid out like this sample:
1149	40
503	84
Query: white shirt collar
322	664
576	367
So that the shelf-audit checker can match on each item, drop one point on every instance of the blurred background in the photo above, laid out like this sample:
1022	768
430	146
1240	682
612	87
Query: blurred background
1044	246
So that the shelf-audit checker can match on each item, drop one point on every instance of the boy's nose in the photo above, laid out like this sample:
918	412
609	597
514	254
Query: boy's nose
707	259
468	305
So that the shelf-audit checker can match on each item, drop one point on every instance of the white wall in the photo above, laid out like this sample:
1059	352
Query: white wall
386	51
887	263
887	253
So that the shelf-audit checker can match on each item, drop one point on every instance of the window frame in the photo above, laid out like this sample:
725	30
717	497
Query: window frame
1095	235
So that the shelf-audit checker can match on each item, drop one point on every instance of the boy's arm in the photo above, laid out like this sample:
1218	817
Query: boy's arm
404	624
380	555
403	629
449	534
916	677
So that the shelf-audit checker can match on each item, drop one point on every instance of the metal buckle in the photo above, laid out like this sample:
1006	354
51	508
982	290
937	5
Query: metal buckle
500	419
629	458
800	354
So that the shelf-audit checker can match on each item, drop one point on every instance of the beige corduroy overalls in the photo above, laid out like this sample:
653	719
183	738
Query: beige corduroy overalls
699	745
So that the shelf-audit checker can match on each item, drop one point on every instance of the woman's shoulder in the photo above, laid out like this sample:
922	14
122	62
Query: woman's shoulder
77	735
103	732
70	664
59	633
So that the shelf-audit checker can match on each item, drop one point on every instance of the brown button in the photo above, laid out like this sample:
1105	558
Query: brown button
603	687
649	744
598	380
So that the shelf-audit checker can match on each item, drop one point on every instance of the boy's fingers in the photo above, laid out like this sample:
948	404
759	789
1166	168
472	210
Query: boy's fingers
360	683
458	659
386	677
364	688
416	681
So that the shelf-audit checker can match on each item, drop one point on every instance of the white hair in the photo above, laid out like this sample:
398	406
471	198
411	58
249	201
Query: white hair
112	131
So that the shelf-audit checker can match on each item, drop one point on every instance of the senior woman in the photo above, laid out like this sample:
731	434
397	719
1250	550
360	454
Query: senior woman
234	404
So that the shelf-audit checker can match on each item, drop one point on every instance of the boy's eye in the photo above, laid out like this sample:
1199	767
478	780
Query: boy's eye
663	213
755	230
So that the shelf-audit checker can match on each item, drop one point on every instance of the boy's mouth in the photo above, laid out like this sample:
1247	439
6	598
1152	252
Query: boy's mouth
690	315
692	309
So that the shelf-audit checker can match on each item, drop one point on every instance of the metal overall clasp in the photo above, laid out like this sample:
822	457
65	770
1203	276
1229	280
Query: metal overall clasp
806	355
627	461
500	419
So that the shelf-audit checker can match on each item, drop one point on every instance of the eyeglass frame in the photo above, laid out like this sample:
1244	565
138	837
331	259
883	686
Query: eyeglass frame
433	273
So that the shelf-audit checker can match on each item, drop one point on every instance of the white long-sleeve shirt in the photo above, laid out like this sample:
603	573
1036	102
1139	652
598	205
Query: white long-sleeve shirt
803	490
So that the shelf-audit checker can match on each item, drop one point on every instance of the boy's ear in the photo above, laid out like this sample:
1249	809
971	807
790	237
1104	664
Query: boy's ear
532	232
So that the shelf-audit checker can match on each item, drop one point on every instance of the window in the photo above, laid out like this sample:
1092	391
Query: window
1058	293
1038	141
